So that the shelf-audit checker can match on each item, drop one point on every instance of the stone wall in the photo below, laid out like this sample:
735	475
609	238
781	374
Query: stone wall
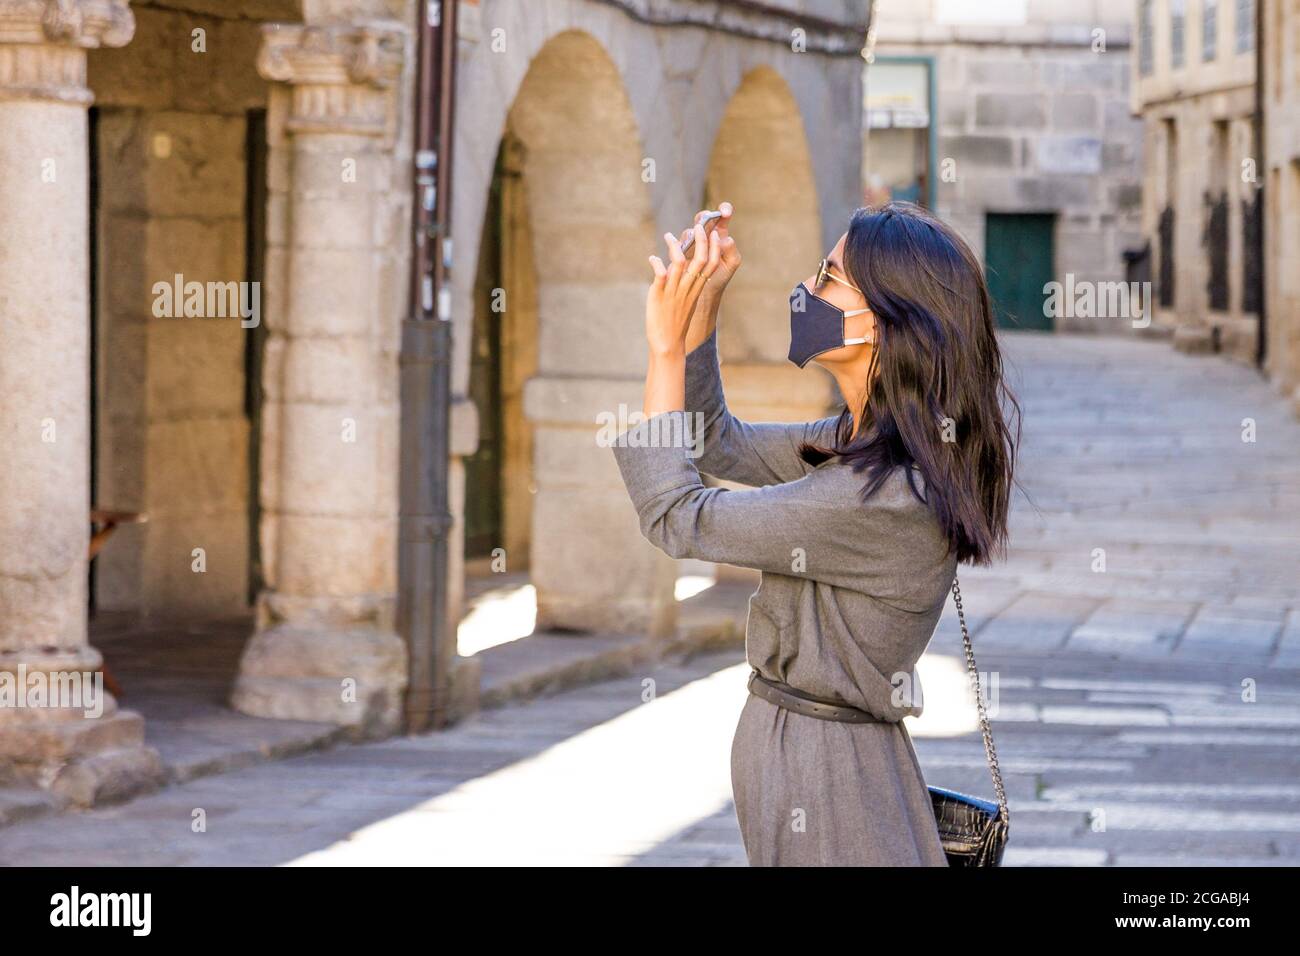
1033	117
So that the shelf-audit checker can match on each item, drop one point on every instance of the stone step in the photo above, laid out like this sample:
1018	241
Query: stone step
26	803
189	752
549	662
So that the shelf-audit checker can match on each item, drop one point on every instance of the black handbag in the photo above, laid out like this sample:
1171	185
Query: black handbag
973	831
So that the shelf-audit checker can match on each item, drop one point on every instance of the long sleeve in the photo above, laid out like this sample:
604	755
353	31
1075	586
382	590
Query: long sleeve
813	527
751	454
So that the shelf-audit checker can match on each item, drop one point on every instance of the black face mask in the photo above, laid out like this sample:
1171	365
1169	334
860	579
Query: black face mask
816	326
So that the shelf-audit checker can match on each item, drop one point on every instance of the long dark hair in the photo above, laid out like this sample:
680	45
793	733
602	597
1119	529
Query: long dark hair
934	403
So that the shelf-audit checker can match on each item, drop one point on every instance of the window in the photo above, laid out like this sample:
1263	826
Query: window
1209	29
1146	41
1177	32
1245	26
897	141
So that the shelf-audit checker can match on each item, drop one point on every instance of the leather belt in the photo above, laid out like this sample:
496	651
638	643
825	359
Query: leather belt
782	695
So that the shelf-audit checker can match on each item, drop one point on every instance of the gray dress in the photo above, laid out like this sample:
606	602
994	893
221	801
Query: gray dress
851	592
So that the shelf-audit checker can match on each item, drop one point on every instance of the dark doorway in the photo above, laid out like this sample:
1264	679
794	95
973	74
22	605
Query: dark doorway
255	160
1165	230
1019	259
483	495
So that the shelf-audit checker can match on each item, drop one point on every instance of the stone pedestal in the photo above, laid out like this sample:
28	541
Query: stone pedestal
78	748
592	569
326	647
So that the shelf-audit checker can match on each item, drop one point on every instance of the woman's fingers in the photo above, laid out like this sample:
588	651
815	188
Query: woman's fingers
681	273
699	251
676	263
675	254
702	264
715	252
684	277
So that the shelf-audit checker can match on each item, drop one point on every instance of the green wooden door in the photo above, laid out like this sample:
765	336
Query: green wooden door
1018	260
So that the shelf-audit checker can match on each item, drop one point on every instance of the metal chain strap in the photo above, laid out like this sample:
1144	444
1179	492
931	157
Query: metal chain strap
989	750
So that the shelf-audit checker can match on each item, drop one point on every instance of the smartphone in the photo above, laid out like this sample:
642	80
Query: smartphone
709	219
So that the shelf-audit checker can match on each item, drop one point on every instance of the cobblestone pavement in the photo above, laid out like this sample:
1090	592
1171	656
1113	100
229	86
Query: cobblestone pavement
1142	644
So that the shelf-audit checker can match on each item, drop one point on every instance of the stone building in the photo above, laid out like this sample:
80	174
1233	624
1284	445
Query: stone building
668	123
204	227
1194	86
1280	88
1011	118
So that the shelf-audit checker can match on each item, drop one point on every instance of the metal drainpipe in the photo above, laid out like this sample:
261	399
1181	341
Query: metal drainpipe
425	364
1261	189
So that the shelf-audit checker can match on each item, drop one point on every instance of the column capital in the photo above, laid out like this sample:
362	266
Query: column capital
340	74
81	23
43	44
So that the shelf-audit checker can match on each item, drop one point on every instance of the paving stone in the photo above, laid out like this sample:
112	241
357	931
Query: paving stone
1098	716
1035	621
1126	814
1184	737
1216	634
1194	861
1288	649
1053	856
26	803
1129	627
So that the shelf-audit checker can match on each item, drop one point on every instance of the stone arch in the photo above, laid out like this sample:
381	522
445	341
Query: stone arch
572	157
761	163
588	203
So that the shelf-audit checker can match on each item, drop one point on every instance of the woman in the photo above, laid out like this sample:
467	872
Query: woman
857	521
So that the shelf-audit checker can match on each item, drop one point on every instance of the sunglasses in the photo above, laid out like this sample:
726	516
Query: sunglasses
825	275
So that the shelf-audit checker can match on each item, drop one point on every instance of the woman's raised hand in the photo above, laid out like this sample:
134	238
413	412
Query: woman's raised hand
729	260
706	311
676	288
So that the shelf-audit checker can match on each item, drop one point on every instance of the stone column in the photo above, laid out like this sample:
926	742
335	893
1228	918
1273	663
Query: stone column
62	740
326	647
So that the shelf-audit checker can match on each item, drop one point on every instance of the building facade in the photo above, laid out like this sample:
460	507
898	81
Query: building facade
1011	118
728	116
1194	87
1280	98
220	193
